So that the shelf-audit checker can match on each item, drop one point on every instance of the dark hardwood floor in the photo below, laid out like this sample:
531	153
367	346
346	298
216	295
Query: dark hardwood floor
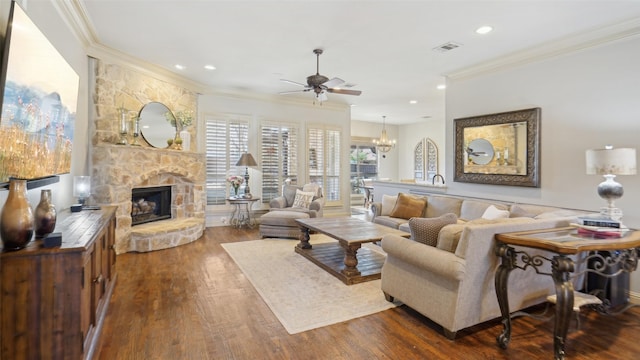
193	302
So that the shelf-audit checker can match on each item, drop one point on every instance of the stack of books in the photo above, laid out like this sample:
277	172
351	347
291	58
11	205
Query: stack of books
601	227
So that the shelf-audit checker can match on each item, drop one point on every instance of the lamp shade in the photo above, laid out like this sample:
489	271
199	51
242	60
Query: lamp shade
246	160
82	186
621	161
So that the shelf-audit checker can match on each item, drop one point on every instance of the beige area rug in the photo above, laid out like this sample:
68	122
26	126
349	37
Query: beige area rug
300	293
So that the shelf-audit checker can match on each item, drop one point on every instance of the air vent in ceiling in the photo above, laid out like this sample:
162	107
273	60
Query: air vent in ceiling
447	46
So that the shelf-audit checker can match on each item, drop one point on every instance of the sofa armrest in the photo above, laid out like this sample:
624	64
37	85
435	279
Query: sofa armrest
429	258
316	207
278	203
376	209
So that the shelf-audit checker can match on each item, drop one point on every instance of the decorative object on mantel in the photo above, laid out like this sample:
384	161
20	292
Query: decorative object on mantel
45	215
81	190
123	126
610	162
235	181
135	132
384	144
16	220
246	160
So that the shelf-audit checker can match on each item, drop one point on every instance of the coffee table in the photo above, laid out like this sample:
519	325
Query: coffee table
345	259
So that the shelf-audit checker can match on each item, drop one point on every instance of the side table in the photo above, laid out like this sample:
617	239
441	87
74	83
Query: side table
242	212
562	241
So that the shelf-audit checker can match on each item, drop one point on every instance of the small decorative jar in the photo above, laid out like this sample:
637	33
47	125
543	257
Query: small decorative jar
45	215
16	220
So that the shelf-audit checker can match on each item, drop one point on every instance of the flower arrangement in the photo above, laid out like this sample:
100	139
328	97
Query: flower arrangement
235	181
185	117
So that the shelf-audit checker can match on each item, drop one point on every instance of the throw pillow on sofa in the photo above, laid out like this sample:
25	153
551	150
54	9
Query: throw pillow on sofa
493	213
408	206
426	230
303	199
388	203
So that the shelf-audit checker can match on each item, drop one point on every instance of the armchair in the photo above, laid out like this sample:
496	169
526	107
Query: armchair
285	202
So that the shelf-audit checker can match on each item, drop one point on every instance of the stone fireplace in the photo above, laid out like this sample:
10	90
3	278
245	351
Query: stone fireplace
118	169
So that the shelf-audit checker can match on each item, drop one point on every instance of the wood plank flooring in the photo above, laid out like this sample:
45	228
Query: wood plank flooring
193	302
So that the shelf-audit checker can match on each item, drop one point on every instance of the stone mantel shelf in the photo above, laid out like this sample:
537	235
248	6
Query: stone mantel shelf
136	149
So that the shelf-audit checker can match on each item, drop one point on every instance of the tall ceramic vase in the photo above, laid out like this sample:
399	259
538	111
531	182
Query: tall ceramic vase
16	220
45	215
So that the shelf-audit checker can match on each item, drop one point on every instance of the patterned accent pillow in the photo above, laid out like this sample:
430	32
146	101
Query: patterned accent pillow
426	230
408	206
303	199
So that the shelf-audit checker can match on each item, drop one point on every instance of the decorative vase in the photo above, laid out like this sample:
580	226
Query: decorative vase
16	220
45	215
235	189
186	139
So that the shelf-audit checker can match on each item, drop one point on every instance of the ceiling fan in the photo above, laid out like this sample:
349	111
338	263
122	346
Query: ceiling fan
321	84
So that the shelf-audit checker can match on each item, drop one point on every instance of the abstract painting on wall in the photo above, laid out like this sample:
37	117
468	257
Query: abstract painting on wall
39	99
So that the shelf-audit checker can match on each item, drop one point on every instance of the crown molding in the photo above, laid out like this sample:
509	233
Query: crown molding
559	47
74	14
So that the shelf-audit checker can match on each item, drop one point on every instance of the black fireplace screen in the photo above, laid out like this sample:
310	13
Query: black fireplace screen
150	204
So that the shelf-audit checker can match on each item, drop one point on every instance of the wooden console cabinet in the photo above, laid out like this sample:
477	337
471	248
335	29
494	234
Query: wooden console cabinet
53	301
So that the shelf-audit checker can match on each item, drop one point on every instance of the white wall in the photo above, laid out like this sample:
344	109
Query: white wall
45	15
588	98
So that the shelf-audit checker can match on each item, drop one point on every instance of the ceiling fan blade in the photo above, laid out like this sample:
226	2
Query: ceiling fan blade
293	91
333	82
293	82
345	92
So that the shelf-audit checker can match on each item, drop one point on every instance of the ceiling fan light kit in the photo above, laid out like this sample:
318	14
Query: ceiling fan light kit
321	84
384	144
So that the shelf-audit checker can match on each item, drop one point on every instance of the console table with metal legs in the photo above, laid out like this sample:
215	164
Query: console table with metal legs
242	212
564	242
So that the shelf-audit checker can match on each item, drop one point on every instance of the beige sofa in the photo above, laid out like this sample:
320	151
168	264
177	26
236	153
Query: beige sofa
452	283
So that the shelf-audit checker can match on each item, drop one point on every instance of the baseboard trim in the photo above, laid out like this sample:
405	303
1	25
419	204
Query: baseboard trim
634	297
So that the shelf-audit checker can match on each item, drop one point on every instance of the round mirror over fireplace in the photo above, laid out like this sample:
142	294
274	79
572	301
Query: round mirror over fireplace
157	124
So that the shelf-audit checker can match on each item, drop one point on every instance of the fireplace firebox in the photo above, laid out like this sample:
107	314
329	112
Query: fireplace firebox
150	204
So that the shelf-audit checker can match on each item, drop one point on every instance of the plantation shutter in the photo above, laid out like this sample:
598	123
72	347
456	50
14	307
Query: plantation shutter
324	161
279	158
226	140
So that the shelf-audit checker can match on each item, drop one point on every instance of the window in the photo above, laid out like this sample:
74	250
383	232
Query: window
324	161
278	157
226	139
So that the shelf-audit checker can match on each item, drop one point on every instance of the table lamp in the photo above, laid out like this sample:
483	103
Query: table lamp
81	190
246	160
610	162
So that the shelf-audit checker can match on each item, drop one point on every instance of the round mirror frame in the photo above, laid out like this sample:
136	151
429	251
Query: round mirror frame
157	124
480	151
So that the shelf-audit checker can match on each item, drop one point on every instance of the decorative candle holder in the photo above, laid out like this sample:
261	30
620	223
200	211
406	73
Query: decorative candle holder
123	127
136	131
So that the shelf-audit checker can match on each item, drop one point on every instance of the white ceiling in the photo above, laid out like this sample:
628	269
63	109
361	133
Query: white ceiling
383	47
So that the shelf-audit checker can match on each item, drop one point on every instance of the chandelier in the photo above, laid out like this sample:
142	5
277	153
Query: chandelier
384	144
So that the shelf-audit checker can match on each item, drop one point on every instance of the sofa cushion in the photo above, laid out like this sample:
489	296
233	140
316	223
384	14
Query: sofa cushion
426	230
388	203
289	193
474	209
389	221
440	205
526	210
493	212
408	206
303	199
449	237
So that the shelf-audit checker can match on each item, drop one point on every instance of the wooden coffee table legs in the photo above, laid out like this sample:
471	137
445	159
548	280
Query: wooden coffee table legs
350	259
304	238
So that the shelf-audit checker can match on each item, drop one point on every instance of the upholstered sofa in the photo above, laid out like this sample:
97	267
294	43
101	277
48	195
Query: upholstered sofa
450	277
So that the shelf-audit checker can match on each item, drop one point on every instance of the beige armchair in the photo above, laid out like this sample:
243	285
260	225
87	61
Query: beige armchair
285	202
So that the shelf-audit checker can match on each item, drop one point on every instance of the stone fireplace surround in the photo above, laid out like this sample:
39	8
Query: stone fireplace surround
118	169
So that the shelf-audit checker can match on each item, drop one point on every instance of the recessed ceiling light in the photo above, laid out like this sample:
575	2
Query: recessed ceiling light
180	67
413	101
484	30
209	67
441	87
